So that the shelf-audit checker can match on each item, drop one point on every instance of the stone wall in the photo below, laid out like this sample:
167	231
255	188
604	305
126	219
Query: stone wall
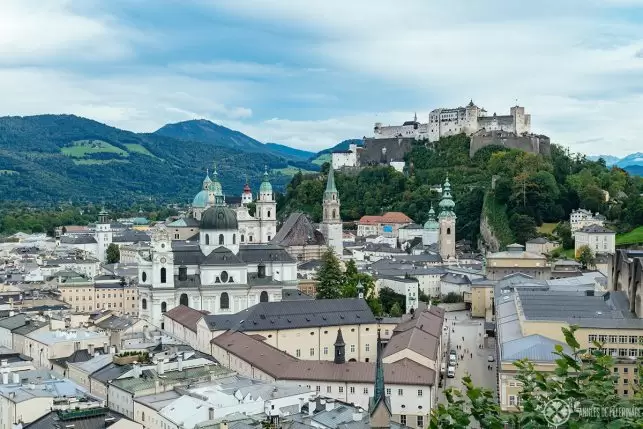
527	142
383	151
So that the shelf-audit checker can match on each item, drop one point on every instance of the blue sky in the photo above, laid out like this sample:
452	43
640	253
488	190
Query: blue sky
312	73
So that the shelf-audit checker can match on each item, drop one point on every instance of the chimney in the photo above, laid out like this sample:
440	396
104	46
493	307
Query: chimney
302	401
357	415
105	348
223	425
16	378
76	346
322	401
160	369
5	378
112	350
180	363
330	404
90	349
311	407
136	370
210	413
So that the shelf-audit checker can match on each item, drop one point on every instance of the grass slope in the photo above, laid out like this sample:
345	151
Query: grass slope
82	148
635	236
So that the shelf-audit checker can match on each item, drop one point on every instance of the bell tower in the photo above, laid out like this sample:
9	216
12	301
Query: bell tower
266	210
103	235
447	220
331	225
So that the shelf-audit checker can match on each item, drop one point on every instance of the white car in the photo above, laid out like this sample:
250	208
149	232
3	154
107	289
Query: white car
490	358
451	372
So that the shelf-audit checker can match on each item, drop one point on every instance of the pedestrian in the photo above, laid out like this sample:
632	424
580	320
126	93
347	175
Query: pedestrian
471	355
462	338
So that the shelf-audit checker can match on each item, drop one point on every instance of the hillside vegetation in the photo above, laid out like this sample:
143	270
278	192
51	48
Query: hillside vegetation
529	189
51	158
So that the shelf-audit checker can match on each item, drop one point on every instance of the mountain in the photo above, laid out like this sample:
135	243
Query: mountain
609	159
634	170
202	130
630	160
289	152
49	158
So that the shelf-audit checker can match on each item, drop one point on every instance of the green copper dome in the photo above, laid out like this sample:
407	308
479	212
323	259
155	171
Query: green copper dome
201	200
447	205
431	223
219	218
215	186
265	187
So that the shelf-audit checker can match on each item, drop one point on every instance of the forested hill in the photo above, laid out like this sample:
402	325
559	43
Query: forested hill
50	158
530	189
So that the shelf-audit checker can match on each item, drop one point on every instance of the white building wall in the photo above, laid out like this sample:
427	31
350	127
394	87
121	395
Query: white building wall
409	289
599	242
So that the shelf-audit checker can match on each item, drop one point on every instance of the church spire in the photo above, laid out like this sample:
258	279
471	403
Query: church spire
379	401
340	348
415	117
379	392
330	184
447	205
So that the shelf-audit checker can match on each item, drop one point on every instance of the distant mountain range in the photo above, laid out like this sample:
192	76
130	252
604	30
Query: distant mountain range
49	158
632	163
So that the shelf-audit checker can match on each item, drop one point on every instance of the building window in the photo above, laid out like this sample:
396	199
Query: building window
622	339
329	389
341	389
420	392
163	307
143	276
298	353
613	338
325	350
634	339
403	419
242	238
351	389
512	400
163	275
420	421
207	239
263	297
221	239
224	301
368	347
400	392
318	389
366	391
312	351
352	348
234	238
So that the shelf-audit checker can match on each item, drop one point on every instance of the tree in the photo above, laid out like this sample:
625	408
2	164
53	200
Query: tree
523	227
583	381
585	256
396	310
388	298
452	297
330	277
113	253
564	232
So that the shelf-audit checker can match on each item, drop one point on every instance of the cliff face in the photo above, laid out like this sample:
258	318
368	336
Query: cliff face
487	240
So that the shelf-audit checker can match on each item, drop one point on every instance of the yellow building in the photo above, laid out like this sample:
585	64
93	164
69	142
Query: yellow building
516	260
529	318
101	293
481	298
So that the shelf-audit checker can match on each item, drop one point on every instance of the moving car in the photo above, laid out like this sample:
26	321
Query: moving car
451	372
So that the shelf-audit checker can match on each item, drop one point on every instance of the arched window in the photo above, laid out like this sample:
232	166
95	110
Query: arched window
163	307
242	237
234	238
144	304
183	300
143	416
220	238
250	238
143	276
334	213
163	275
448	231
207	239
263	297
269	214
224	301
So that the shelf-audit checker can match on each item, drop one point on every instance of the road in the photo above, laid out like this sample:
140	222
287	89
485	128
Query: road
461	326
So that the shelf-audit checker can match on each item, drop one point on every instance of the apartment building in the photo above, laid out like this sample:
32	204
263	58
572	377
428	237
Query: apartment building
103	292
516	260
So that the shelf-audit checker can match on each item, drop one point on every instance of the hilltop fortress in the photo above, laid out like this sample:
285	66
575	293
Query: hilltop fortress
390	143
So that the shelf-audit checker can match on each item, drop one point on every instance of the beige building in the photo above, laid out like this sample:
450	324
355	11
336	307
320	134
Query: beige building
183	228
305	329
102	293
529	319
482	298
45	345
516	260
540	246
597	238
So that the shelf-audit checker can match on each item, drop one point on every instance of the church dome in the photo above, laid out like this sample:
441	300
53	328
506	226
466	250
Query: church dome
219	218
201	199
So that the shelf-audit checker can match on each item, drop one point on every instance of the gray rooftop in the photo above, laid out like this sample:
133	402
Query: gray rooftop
298	314
596	229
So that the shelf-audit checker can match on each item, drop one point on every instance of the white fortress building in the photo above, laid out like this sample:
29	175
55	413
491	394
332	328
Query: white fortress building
450	121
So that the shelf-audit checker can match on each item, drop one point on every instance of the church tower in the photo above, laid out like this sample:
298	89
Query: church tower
246	196
379	409
431	230
447	220
103	235
331	225
266	210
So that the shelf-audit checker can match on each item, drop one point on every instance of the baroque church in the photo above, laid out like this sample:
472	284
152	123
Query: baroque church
440	231
230	264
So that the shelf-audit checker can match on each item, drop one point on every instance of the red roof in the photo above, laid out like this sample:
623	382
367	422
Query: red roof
246	189
388	217
186	316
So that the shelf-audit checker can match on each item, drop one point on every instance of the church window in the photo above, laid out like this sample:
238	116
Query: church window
448	231
224	276
250	238
183	300
268	213
268	238
242	237
263	297
334	213
207	239
144	304
144	276
234	238
224	301
163	307
163	275
220	238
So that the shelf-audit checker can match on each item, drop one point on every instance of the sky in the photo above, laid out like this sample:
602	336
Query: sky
311	73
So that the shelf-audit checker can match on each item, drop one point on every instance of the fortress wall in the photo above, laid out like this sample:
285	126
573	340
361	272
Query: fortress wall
528	143
396	148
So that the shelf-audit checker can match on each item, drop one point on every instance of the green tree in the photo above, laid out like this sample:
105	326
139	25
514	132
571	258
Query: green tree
388	298
586	257
113	253
452	297
583	380
564	233
330	277
396	310
523	227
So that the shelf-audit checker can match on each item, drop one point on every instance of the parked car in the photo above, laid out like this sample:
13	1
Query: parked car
451	372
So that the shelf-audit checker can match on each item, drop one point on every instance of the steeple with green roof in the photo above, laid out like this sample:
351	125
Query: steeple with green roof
447	205
266	187
432	223
330	185
215	185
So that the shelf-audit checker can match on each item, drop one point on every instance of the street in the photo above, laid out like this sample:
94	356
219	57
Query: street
474	360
